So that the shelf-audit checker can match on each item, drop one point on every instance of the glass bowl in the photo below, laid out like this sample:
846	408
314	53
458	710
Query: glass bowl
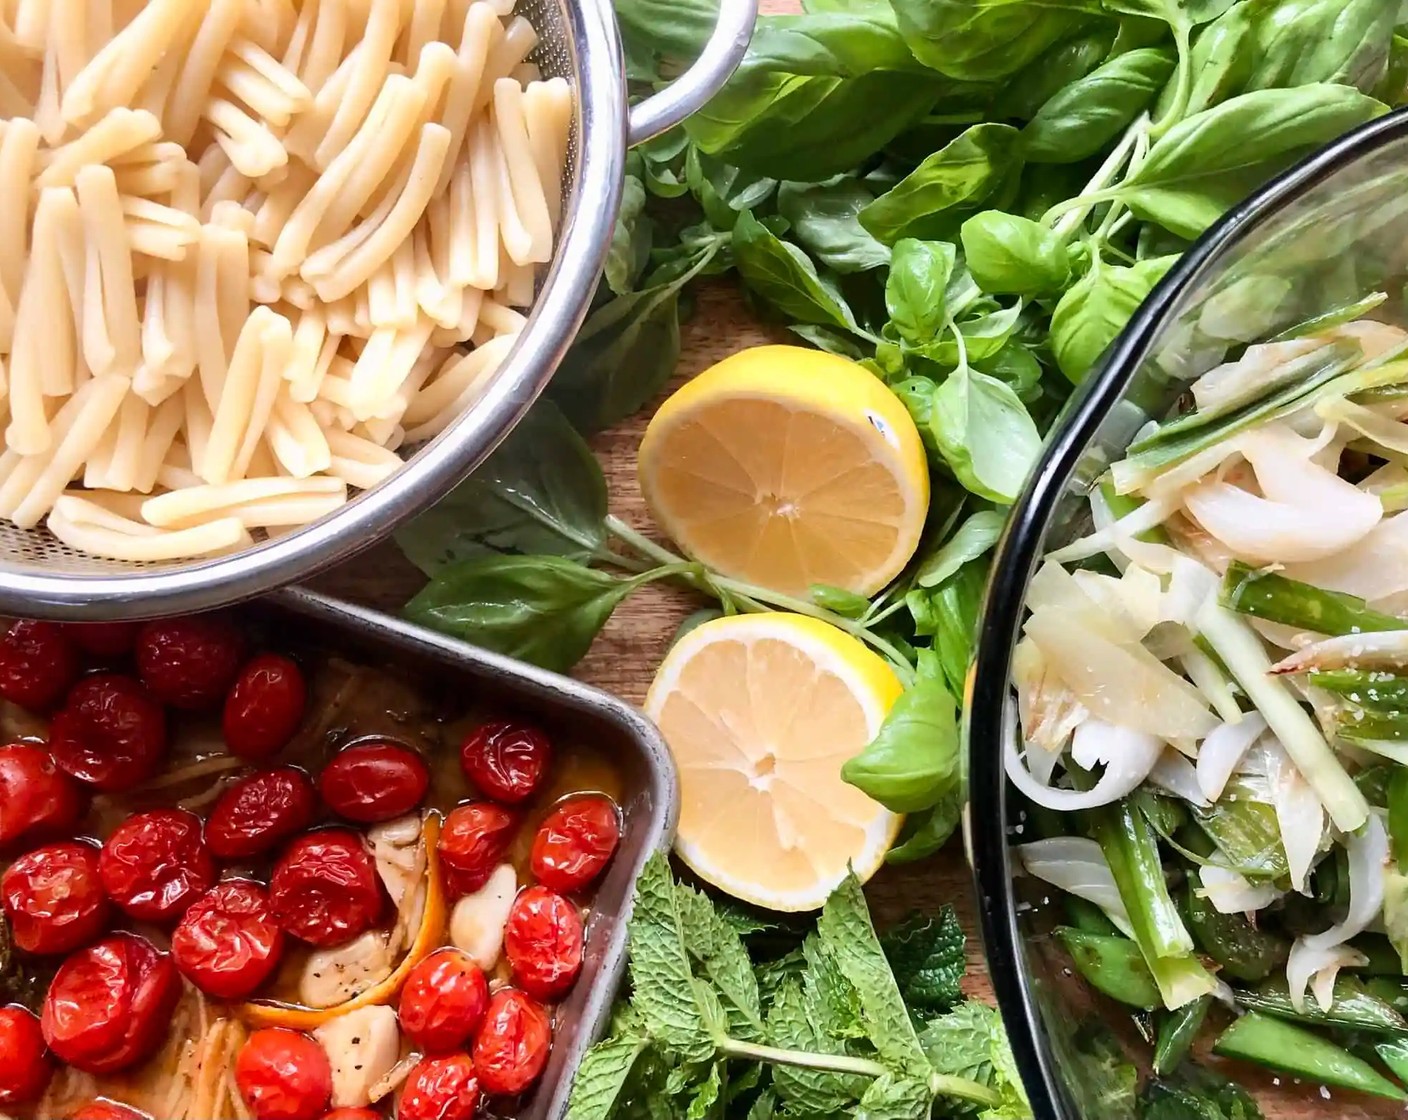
1329	231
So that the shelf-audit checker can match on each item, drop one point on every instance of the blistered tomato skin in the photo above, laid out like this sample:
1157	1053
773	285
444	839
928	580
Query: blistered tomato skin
25	1068
106	1110
191	662
104	640
109	1005
353	1114
35	795
54	898
264	707
506	761
38	663
227	944
443	1001
473	841
155	864
324	889
575	842
284	1075
110	733
260	812
543	943
440	1089
512	1045
374	782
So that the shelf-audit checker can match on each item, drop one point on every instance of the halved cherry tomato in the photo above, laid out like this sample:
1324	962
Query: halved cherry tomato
25	1068
106	1110
38	662
259	812
543	943
443	1001
228	943
110	733
35	795
54	898
106	640
440	1089
109	1005
284	1075
155	864
472	843
264	707
373	782
324	889
189	662
353	1114
512	1046
506	761
575	841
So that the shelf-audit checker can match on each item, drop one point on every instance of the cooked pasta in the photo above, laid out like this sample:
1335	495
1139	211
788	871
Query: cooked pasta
254	252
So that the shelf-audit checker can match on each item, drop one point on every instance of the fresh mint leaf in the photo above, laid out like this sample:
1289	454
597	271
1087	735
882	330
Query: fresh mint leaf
959	1044
771	975
721	958
927	954
848	936
603	1073
764	1107
706	1094
895	1096
662	981
1193	1093
833	1004
806	1091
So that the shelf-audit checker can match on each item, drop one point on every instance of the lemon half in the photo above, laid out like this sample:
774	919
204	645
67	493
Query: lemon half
787	467
760	711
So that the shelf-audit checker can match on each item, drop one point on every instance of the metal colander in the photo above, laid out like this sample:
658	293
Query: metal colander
41	577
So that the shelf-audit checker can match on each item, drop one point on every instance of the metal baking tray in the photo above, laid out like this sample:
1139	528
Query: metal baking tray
649	803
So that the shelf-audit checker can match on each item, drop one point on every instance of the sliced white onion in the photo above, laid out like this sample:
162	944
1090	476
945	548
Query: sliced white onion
1300	817
1223	750
1128	767
1175	774
1148	516
1385	431
1375	339
1048	710
1231	893
1189	586
1280	635
1374	570
1319	968
1253	374
1381	649
1264	531
1077	865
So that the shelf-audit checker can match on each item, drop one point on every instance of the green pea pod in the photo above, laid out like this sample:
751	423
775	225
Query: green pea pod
1275	598
1353	1007
1393	1053
1244	951
1282	1046
1176	1034
1087	917
1366	688
1111	965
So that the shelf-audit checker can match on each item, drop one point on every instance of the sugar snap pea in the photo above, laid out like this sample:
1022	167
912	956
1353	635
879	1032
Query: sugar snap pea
1244	951
1353	1007
1283	1046
1275	598
1111	965
1177	1031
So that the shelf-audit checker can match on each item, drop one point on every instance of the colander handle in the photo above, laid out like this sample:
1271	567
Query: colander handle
715	65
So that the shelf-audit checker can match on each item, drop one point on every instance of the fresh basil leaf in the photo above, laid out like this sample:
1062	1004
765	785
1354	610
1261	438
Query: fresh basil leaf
964	173
975	538
1176	13
926	832
724	191
832	341
1220	62
1091	314
915	289
949	614
838	600
824	219
542	609
1393	86
786	277
1057	68
541	491
917	396
984	434
630	240
984	39
1018	367
1206	163
1303	41
1012	255
1081	119
912	763
983	337
667	33
662	160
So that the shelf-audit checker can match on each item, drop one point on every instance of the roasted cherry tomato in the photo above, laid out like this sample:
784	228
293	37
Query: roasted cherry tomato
372	782
228	943
284	1075
110	733
324	889
106	1110
264	707
443	1001
512	1045
35	795
189	662
54	898
105	640
260	812
155	864
506	761
353	1114
543	943
109	1006
38	663
25	1068
575	841
440	1089
472	843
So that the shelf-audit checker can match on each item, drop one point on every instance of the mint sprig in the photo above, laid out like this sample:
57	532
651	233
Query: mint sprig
707	1032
